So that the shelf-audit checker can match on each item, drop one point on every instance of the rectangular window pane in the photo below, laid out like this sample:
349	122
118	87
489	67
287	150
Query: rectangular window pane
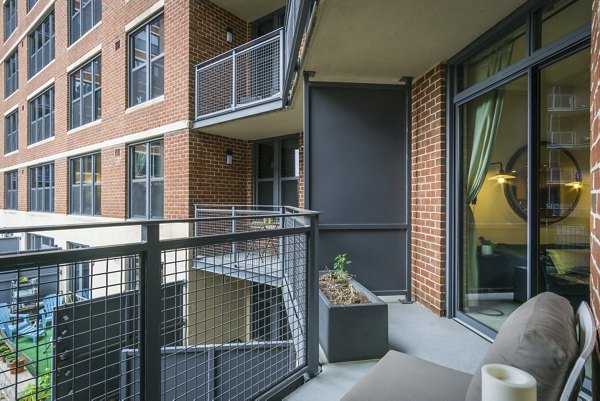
563	17
85	94
11	74
146	62
157	199
500	55
146	190
41	117
41	45
290	158
11	132
10	18
41	188
494	223
85	14
11	193
85	190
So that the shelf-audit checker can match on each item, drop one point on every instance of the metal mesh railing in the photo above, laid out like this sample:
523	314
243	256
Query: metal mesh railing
247	75
223	315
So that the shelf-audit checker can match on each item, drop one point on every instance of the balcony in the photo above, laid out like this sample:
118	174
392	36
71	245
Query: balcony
245	81
225	312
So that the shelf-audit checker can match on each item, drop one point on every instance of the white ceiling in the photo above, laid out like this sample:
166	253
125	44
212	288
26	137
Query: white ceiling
250	10
370	41
380	41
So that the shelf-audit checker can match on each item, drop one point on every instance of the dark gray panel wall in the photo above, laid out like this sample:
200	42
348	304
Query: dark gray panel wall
357	177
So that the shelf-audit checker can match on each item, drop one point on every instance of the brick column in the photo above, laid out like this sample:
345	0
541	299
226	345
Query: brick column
428	191
595	171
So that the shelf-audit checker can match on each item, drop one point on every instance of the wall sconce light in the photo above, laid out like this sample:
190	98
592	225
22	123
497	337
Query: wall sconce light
502	176
577	184
229	157
229	35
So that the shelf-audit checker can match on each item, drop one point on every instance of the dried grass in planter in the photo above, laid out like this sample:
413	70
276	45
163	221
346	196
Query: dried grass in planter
339	291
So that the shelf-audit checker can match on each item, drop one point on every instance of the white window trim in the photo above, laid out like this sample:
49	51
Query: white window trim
145	15
84	35
84	127
85	58
147	103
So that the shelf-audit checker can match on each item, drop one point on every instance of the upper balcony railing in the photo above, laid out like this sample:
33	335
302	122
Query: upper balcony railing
227	310
246	76
256	77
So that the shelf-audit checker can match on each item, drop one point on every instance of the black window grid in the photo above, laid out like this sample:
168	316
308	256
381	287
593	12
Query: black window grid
84	15
12	190
147	62
41	45
11	20
11	132
150	177
41	116
11	74
41	188
85	193
85	94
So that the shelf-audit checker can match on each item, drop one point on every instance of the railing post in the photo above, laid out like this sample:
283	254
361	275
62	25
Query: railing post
150	314
233	80
312	294
233	231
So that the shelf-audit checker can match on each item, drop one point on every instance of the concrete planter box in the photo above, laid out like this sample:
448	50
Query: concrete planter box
354	332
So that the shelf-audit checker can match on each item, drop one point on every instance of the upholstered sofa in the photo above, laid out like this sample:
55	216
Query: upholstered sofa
539	337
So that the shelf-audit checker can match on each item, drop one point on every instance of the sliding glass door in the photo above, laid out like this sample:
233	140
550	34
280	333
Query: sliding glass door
521	189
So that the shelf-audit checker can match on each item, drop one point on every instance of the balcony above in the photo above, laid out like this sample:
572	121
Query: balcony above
245	81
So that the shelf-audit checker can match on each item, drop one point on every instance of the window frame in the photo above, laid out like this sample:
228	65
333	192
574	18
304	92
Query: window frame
149	61
96	187
46	51
44	242
147	180
11	195
44	97
95	94
11	74
77	281
34	189
11	17
95	15
11	132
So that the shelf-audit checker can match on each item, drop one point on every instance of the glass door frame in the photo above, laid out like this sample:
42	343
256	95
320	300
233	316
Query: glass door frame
530	66
277	179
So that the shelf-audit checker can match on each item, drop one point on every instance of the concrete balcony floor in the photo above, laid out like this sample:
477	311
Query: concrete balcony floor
413	329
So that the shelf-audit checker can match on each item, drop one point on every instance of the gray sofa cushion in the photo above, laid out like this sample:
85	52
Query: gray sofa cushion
401	377
538	337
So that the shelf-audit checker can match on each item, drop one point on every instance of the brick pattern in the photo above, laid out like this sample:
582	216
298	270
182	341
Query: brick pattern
595	171
428	189
195	30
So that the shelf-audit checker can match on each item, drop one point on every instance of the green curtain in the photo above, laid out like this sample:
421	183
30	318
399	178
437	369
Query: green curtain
488	111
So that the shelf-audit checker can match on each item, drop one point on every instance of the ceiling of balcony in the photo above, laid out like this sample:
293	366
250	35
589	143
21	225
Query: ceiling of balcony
381	41
250	10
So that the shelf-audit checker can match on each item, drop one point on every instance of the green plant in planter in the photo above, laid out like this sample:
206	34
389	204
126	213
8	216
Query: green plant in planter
339	267
39	392
5	353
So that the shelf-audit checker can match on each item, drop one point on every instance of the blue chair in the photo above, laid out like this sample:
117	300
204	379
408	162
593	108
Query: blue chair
32	332
51	302
5	321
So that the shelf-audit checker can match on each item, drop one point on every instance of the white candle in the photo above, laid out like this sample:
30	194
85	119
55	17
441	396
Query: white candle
507	383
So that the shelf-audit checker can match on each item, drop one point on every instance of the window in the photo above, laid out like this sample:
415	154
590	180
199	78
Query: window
11	130
36	242
41	188
85	182
79	275
84	15
10	18
41	45
277	168
11	74
41	117
146	190
85	94
12	190
146	62
30	4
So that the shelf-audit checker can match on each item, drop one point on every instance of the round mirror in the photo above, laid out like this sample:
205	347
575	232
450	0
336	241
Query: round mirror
559	183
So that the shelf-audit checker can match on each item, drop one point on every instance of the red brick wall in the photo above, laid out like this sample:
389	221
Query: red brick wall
428	243
595	168
195	30
211	179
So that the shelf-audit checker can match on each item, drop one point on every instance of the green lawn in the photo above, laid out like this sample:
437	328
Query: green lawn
40	354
